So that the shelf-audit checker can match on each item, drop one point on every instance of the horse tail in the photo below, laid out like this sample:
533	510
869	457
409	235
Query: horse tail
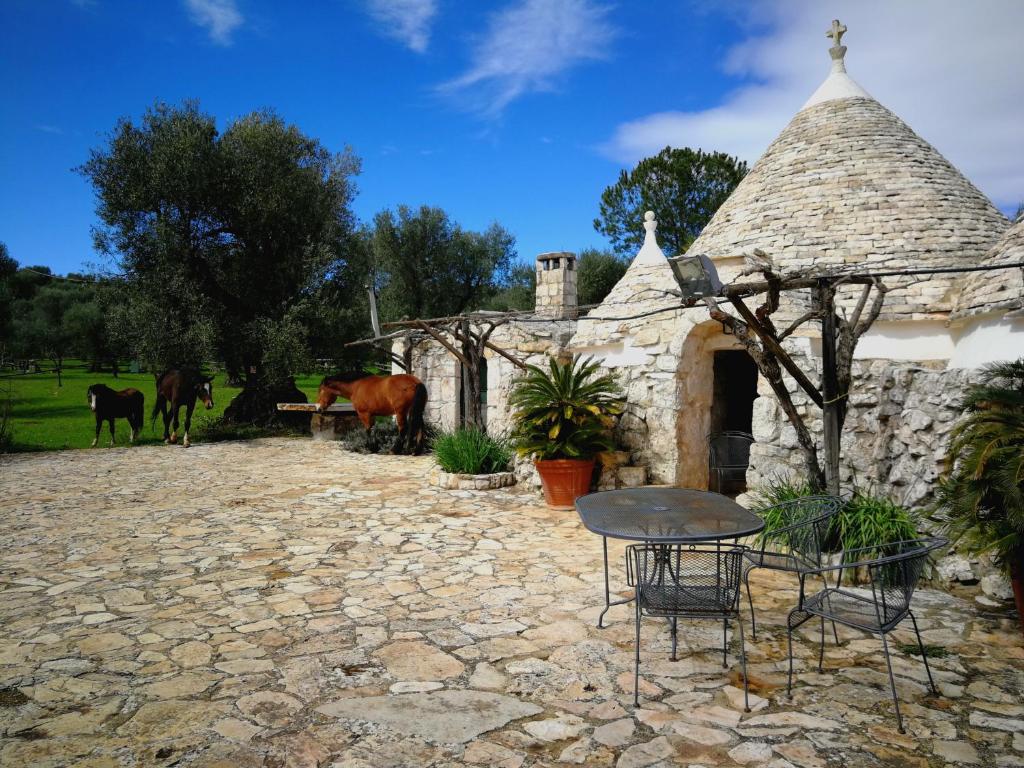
416	427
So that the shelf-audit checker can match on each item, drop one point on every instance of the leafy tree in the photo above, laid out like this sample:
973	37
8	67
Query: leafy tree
8	268
428	266
597	272
684	188
222	238
518	292
40	327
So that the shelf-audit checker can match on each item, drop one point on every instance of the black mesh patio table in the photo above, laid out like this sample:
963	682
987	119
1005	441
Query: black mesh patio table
662	516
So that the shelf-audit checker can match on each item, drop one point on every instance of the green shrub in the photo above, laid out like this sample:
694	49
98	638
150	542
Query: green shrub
382	437
864	520
469	451
867	520
776	491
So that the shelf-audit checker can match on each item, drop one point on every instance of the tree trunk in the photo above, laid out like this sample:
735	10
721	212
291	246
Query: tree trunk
257	403
471	379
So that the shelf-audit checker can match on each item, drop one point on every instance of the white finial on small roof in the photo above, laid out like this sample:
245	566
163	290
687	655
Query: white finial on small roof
650	253
838	50
838	85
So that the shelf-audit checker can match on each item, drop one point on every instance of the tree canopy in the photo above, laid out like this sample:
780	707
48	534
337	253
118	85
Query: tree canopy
597	272
426	265
222	237
684	188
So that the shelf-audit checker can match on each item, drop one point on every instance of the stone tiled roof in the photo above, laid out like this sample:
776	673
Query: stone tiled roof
1002	291
848	184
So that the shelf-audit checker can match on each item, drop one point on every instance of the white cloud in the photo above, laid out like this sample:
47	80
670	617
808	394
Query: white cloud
219	17
949	68
407	21
527	47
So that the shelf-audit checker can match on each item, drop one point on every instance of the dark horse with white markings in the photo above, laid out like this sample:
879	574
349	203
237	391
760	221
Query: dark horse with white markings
109	404
402	396
176	388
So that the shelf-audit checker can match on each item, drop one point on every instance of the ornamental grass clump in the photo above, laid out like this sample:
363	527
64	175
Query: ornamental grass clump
868	520
864	520
470	451
566	412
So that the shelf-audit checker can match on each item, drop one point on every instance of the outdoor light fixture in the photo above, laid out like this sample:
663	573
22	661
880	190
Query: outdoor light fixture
696	276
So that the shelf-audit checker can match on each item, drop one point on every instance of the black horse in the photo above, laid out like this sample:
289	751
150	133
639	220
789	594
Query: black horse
176	388
109	404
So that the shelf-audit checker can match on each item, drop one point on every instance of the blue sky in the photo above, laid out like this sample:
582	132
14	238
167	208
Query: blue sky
516	111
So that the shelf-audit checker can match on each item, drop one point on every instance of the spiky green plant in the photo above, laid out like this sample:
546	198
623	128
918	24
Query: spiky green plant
982	492
566	412
470	451
870	520
864	520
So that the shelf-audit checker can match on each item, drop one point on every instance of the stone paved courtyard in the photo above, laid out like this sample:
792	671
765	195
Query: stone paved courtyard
284	603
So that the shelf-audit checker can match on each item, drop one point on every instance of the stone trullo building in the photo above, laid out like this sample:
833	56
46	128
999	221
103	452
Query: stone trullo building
846	185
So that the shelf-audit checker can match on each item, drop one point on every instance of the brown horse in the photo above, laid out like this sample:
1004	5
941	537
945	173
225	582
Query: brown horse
180	388
108	405
402	396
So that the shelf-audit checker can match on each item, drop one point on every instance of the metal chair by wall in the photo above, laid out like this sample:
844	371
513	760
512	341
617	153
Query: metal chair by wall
728	457
893	573
796	545
697	581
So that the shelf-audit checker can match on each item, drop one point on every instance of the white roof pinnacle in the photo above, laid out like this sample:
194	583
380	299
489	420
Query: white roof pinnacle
650	253
838	84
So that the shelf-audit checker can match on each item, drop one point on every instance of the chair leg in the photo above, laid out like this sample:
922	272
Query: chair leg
821	649
674	638
743	664
789	679
892	683
924	657
725	644
835	632
636	666
750	601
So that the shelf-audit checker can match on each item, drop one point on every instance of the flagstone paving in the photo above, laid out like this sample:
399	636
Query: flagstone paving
285	603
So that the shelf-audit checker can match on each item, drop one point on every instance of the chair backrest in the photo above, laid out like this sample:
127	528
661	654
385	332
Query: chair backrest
895	573
729	449
687	566
801	526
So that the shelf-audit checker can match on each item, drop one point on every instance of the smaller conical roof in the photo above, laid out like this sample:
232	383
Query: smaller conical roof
997	291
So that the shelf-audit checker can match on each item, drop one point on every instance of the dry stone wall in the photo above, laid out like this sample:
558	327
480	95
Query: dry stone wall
895	435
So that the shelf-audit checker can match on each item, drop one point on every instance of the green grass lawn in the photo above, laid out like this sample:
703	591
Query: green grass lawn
46	417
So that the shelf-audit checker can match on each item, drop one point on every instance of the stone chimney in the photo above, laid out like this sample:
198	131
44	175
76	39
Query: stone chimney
556	285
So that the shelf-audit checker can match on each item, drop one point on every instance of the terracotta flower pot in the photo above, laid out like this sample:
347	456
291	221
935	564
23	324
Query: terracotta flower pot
564	480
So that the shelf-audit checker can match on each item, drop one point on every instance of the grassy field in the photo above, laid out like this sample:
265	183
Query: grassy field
46	417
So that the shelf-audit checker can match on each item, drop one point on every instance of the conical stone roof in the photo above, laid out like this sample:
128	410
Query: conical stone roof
998	291
848	185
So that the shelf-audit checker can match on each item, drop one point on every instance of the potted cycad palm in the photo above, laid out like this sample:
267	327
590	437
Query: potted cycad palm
982	493
564	417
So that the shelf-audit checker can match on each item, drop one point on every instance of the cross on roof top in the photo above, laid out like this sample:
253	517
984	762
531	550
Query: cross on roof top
836	32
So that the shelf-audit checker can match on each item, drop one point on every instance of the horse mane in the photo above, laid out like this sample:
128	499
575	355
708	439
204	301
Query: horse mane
99	388
345	377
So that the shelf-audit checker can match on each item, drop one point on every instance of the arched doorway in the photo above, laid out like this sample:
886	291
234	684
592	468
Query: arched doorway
717	386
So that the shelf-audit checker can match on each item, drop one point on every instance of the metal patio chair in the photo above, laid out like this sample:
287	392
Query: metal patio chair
893	573
794	547
696	581
728	453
